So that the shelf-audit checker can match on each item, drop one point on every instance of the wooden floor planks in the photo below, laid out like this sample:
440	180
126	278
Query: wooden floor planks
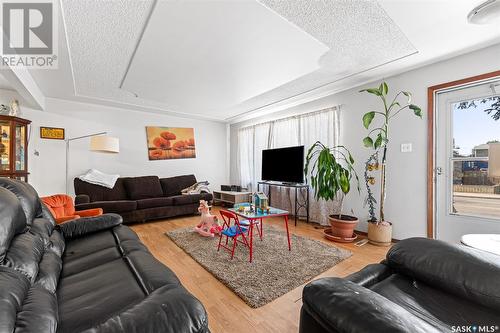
227	312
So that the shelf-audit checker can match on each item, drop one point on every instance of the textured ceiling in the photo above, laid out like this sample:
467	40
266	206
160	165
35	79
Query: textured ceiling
211	55
102	37
359	33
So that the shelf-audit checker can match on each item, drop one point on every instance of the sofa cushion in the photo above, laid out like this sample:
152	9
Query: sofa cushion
26	194
174	185
119	206
91	296
101	193
100	297
431	304
143	187
188	199
154	202
12	220
340	305
206	196
183	199
466	272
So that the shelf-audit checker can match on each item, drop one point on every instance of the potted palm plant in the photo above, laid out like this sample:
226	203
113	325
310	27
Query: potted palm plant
332	169
380	230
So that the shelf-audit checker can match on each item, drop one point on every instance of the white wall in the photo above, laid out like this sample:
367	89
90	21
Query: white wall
407	172
48	169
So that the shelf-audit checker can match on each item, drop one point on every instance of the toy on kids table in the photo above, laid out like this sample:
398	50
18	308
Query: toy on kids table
260	201
209	224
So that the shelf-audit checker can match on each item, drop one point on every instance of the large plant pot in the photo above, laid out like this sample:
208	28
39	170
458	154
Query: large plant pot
343	225
380	234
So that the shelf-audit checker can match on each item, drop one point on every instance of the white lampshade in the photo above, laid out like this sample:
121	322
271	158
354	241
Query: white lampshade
104	143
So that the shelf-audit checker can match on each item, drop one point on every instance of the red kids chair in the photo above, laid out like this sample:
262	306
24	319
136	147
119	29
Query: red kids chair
63	209
234	231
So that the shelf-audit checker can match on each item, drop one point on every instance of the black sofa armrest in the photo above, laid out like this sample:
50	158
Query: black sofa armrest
86	225
370	275
89	205
82	199
169	309
340	305
466	272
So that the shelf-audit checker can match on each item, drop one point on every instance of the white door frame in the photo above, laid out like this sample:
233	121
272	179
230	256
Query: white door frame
432	94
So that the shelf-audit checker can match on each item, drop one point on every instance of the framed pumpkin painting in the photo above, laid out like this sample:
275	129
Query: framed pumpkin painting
166	143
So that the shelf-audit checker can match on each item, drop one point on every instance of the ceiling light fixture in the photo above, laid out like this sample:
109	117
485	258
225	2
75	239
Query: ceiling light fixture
485	13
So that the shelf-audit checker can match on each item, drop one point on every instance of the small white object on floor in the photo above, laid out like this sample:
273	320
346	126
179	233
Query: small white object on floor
361	242
97	177
485	242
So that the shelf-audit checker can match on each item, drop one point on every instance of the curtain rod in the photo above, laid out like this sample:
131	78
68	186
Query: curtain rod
331	108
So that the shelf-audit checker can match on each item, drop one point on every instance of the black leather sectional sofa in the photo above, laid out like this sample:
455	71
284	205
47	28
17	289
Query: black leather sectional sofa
423	286
139	199
87	275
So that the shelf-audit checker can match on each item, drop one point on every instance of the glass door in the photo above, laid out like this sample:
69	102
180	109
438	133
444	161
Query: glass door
5	137
20	148
468	161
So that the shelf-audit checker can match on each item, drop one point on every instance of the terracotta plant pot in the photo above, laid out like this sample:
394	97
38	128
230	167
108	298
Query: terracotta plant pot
380	234
343	225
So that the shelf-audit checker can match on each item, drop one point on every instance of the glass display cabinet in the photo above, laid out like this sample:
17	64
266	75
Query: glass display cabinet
14	147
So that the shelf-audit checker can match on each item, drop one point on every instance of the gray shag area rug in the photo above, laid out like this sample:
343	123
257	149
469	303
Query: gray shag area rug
274	270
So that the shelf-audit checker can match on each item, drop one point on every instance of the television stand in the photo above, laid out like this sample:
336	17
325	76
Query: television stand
290	184
300	203
231	197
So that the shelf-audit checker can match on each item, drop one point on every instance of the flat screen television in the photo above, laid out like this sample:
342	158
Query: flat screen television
283	164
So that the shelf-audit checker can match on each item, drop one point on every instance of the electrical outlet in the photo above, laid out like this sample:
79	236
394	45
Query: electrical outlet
406	147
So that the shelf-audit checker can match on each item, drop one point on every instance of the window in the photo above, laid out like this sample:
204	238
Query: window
304	130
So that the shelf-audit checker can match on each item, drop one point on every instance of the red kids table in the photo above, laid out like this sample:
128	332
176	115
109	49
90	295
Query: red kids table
260	215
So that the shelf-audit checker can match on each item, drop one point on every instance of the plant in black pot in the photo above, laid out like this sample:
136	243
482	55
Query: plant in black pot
380	230
332	169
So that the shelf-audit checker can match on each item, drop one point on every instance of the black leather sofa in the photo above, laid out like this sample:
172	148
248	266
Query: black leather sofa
86	275
423	286
139	199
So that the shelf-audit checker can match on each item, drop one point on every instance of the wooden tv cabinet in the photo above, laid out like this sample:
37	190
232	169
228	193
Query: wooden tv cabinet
231	197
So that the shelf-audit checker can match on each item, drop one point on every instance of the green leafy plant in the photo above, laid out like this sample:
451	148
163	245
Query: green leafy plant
378	136
332	169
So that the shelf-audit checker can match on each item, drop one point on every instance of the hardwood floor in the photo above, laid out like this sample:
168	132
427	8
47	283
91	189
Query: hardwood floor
226	311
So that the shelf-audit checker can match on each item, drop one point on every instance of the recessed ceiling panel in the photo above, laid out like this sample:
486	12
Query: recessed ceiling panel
236	59
360	35
205	56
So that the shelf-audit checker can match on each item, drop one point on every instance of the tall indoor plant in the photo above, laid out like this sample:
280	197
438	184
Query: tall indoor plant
332	169
380	230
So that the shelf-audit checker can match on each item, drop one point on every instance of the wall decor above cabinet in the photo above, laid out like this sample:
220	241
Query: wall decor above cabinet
54	133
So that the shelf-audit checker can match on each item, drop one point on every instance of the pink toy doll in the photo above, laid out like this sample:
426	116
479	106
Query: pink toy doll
209	224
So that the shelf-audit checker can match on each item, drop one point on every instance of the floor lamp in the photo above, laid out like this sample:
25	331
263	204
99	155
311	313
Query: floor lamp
98	142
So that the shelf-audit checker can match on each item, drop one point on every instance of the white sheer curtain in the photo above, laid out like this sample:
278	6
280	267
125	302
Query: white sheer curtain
304	130
251	141
324	127
245	156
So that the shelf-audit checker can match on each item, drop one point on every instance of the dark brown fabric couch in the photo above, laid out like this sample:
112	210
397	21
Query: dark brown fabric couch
139	199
